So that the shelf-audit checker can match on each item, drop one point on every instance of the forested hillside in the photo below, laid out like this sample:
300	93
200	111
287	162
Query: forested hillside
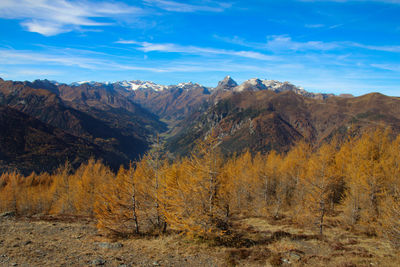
200	195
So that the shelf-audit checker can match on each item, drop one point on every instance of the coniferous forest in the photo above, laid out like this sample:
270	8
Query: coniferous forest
355	181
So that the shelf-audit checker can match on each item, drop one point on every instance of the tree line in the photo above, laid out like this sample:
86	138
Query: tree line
357	179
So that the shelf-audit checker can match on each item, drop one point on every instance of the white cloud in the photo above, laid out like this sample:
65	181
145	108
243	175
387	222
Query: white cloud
36	72
281	43
46	29
384	48
194	50
52	17
313	26
88	60
285	42
78	58
390	67
184	7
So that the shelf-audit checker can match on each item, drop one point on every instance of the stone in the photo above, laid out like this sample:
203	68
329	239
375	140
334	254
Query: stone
98	262
8	214
107	245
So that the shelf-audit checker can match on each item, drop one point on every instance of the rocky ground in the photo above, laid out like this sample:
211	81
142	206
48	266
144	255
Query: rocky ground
31	242
70	241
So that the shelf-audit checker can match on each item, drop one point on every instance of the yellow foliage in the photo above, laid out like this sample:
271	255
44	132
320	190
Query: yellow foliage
199	194
193	198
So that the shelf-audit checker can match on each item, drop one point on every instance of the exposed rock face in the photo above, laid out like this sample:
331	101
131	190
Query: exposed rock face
251	85
226	84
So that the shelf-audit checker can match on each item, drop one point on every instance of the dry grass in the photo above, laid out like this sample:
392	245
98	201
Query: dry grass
28	242
70	241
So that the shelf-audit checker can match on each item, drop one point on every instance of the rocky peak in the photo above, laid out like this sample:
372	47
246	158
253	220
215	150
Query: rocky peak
141	85
251	85
187	85
226	84
43	84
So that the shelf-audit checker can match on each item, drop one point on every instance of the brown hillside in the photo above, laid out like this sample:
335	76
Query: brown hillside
264	120
28	144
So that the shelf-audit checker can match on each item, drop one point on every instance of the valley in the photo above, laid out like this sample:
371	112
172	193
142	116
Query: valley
120	121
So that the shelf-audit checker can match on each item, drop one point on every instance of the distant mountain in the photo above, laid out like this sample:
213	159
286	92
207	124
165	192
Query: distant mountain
277	87
265	120
27	144
141	85
98	114
175	102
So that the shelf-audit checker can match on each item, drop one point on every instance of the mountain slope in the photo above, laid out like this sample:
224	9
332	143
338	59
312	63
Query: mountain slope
27	144
265	120
114	123
173	103
122	118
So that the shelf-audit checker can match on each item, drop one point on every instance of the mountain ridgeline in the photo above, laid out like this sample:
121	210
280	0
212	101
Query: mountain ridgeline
44	123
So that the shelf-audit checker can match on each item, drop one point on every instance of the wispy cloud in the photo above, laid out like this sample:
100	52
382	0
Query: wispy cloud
313	26
185	7
384	48
281	43
61	58
194	50
89	61
390	67
285	42
52	17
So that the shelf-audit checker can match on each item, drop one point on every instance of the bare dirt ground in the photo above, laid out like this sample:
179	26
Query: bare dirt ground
30	242
68	241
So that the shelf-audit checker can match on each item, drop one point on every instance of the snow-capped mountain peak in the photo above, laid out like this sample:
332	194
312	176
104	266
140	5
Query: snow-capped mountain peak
227	83
141	85
186	85
92	83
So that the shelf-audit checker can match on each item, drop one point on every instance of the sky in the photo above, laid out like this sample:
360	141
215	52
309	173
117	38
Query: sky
331	46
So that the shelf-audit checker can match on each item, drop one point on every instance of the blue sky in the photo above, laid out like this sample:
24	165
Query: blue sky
335	46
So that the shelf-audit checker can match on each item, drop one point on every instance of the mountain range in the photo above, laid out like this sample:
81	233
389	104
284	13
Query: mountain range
43	122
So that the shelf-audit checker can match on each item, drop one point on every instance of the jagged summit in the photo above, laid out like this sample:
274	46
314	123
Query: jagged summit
82	82
141	85
253	84
186	86
256	84
226	84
